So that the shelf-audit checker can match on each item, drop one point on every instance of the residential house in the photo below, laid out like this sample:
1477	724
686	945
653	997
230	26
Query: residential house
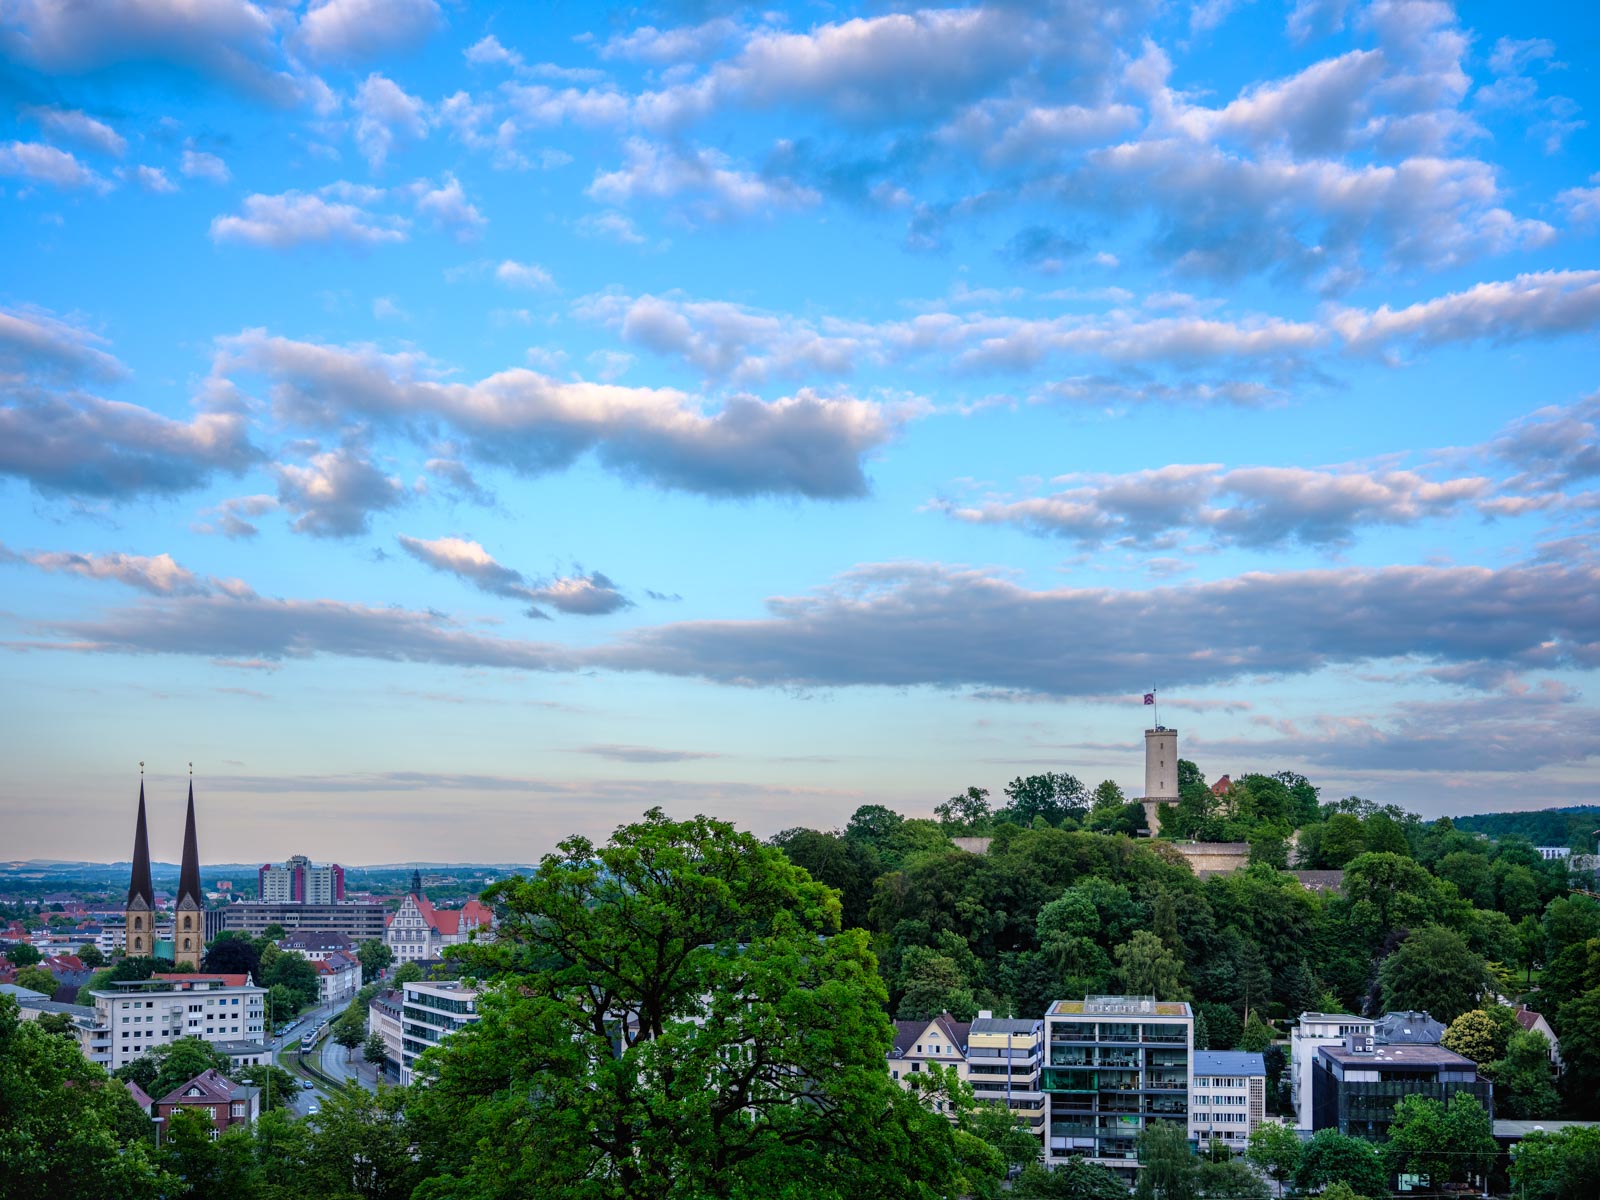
919	1044
1227	1097
338	976
1533	1022
317	944
221	1101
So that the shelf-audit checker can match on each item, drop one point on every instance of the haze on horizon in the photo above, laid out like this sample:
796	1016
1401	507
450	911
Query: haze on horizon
453	427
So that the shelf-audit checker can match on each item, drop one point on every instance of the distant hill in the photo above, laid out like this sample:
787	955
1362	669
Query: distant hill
1572	827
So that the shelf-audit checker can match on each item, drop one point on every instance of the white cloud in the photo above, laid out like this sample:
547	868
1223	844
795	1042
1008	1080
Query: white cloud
523	275
715	187
447	206
351	30
1540	304
386	114
336	493
152	179
688	43
295	218
79	127
197	164
158	574
47	164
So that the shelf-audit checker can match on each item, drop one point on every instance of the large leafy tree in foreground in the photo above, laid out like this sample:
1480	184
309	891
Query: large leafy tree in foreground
674	1014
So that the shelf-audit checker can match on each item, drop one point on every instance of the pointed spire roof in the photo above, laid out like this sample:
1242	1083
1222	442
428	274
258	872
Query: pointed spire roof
139	884
189	874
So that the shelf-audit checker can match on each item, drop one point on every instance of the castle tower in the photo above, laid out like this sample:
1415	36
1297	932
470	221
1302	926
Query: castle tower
139	913
1160	773
188	924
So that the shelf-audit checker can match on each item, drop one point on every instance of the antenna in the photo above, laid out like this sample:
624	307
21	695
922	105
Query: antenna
141	766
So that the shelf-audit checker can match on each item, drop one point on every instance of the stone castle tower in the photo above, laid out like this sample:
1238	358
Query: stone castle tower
140	911
188	925
1160	774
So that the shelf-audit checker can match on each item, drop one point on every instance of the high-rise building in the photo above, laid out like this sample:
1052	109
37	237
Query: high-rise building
1114	1065
299	881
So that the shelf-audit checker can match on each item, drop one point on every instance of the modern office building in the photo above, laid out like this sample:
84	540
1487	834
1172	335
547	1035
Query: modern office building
1227	1097
133	1017
1004	1057
299	881
1314	1031
429	1013
358	920
1355	1087
1114	1064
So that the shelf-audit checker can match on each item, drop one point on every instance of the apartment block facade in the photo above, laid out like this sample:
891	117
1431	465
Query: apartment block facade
1113	1065
429	1013
300	881
1227	1097
358	920
1314	1031
131	1018
1004	1059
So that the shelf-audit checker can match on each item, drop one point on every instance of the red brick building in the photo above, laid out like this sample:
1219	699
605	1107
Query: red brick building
216	1097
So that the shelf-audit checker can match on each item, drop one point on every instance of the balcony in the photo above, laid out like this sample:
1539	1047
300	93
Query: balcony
1063	1056
1157	1081
1070	1081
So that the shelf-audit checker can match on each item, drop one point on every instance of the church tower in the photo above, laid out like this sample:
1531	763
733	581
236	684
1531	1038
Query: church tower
140	911
188	925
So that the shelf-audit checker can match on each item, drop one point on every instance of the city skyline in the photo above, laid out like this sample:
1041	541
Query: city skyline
454	428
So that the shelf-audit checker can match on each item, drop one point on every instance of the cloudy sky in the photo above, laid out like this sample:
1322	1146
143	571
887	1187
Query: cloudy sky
455	426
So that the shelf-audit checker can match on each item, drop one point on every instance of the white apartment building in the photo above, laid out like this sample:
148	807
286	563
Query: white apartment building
1227	1097
429	1013
1315	1031
384	1019
917	1044
131	1018
338	976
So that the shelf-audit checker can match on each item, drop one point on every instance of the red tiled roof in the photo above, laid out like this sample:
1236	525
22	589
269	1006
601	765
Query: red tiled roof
1222	786
1526	1017
213	1086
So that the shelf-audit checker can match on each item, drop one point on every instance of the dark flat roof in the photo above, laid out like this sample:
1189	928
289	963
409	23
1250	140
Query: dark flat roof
1392	1057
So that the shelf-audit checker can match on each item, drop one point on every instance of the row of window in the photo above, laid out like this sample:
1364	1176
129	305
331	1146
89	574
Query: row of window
1222	1081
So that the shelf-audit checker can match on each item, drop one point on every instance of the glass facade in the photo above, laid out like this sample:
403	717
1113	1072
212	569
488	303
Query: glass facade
1109	1073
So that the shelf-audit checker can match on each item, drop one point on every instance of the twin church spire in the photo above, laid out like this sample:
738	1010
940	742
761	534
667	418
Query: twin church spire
188	925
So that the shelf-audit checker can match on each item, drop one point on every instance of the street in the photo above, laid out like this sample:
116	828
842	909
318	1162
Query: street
329	1057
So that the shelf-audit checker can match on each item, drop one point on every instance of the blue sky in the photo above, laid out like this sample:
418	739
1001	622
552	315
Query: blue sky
456	426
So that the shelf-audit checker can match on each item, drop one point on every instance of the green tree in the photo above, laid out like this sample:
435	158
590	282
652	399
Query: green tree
965	813
1229	1179
37	979
1331	1156
1472	874
277	1086
406	973
1053	796
207	1166
1557	1166
362	1149
1257	1035
375	956
1530	945
22	955
285	1003
294	972
374	1050
90	956
165	1067
677	1013
1168	1167
933	983
67	1131
1578	1027
234	954
1481	1034
1075	1179
833	859
1275	1150
1147	968
1435	972
1426	1138
350	1030
1524	1087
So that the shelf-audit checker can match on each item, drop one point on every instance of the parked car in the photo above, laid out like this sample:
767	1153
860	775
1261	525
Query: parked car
308	1085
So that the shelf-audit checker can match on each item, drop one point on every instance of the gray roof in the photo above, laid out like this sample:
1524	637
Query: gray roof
1420	1057
1009	1025
1517	1130
20	993
1346	1017
1415	1028
1227	1062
